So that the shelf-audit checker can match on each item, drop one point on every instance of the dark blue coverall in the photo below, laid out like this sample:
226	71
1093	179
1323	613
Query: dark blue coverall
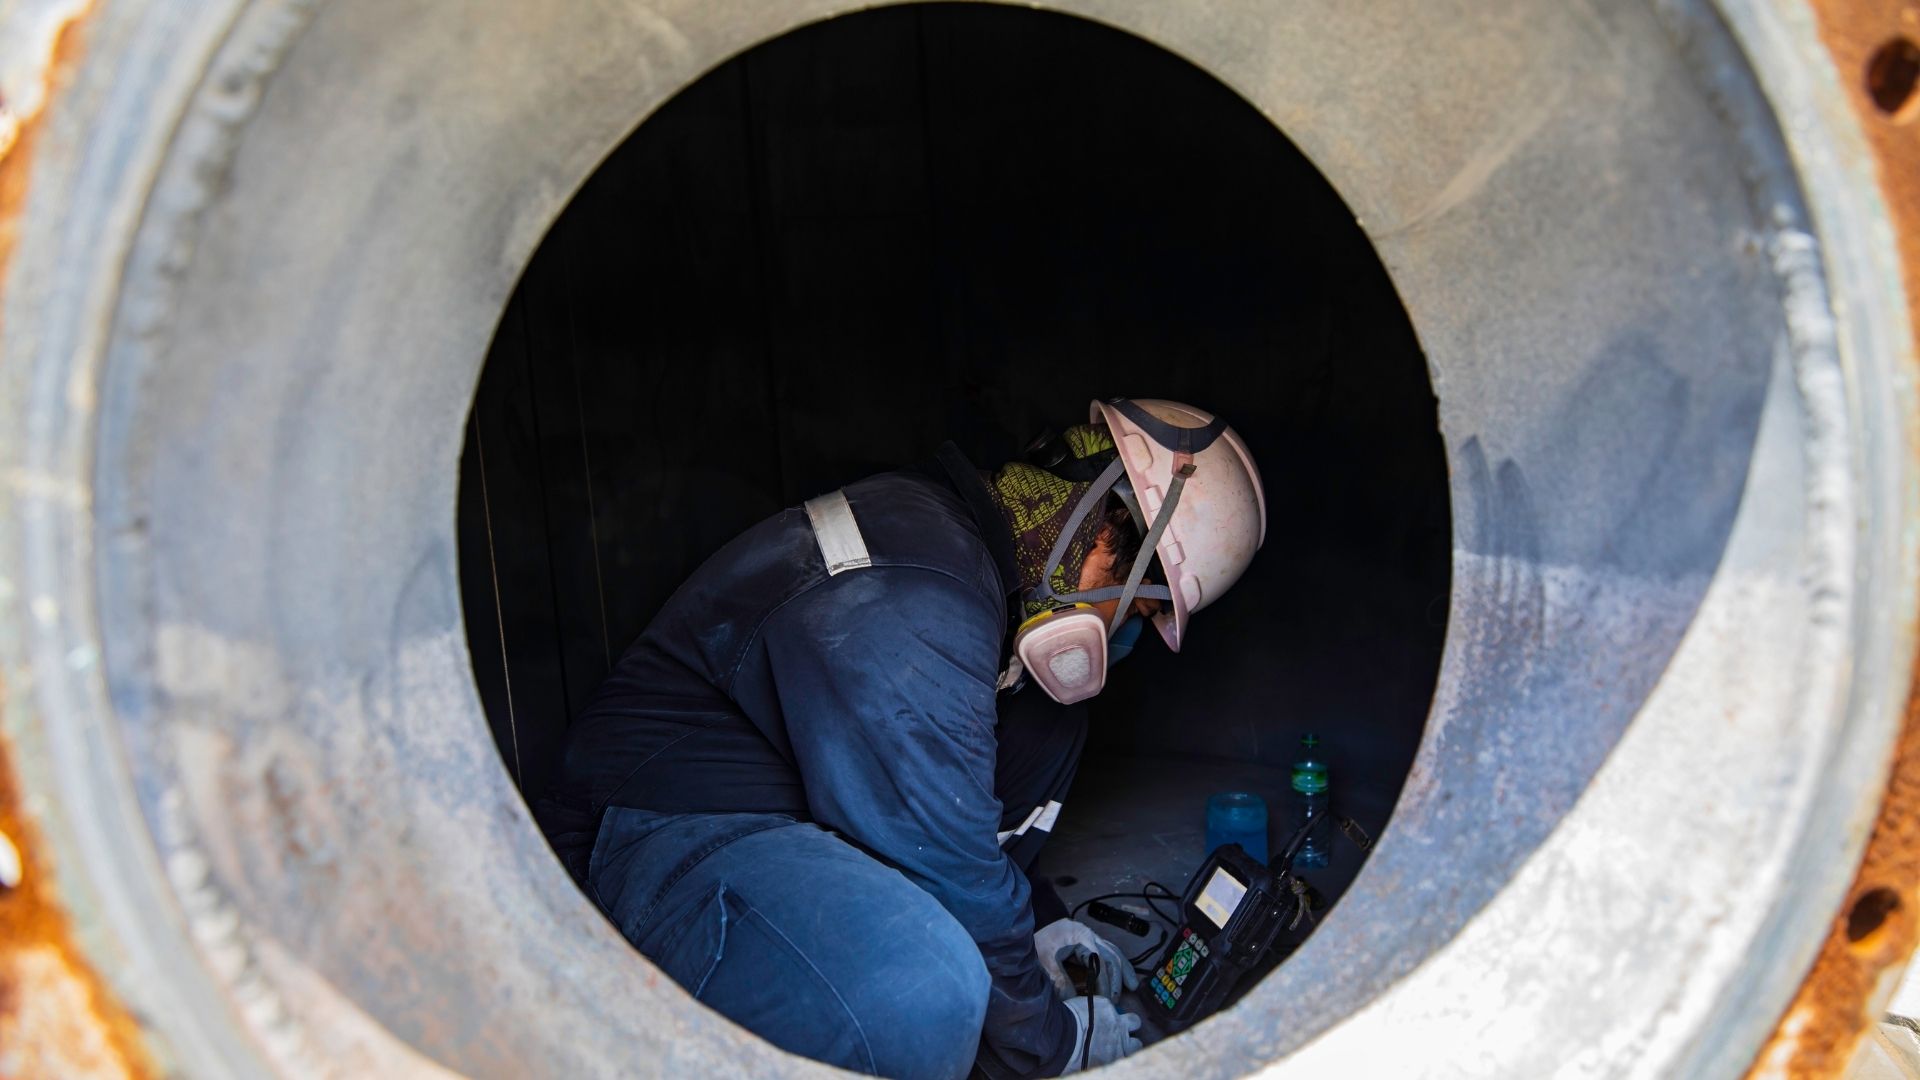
790	791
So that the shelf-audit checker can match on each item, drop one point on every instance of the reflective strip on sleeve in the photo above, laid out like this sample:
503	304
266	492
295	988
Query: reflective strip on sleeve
1041	820
1049	814
837	533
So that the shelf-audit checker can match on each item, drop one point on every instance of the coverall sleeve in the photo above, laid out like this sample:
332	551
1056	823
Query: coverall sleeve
886	676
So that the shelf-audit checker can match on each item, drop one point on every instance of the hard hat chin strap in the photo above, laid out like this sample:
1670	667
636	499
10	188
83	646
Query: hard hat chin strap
1101	485
1182	468
1109	477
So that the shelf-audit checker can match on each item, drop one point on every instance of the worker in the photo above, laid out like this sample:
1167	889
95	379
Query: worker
805	793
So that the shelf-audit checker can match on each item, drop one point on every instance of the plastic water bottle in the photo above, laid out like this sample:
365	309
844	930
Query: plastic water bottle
1310	801
1237	817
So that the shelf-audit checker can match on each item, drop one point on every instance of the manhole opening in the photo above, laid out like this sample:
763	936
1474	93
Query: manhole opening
959	222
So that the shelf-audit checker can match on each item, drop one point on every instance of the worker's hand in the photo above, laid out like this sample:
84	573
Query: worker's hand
1064	938
1112	1037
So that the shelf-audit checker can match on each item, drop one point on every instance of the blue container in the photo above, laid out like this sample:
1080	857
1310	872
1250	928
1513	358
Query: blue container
1237	817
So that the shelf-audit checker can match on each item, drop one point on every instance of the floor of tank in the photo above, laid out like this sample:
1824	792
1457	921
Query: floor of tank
1129	821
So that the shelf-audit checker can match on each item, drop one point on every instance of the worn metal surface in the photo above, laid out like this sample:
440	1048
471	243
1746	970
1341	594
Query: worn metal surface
266	244
57	1017
1873	933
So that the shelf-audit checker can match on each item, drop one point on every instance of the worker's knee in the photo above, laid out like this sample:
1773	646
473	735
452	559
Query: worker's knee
800	937
923	1008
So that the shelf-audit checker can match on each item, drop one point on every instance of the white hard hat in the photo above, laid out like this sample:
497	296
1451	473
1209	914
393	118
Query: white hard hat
1220	518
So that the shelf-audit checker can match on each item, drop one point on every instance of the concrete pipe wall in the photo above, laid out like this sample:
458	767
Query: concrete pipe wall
263	249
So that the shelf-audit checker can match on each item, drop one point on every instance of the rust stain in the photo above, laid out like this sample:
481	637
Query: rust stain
1869	940
1874	932
16	155
57	1018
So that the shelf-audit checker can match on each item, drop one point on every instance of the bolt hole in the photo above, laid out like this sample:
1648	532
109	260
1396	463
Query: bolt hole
1892	76
1066	881
1870	913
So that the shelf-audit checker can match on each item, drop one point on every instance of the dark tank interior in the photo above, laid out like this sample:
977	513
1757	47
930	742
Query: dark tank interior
916	224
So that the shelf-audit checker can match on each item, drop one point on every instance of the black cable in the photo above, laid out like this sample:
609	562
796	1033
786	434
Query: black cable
1170	895
1146	894
1082	905
1093	983
1150	899
1291	849
1146	952
1165	894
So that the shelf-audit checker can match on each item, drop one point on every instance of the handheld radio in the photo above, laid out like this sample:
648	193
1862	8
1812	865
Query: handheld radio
1233	912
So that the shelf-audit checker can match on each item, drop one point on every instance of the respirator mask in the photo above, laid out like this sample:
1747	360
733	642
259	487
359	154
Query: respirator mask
1065	649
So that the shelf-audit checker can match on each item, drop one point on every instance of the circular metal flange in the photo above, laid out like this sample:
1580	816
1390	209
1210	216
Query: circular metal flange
265	248
1873	933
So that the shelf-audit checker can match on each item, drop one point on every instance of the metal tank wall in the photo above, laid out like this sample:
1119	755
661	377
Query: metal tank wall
263	251
835	252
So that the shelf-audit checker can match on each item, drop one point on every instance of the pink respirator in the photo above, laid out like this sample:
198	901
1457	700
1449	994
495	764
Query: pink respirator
1065	650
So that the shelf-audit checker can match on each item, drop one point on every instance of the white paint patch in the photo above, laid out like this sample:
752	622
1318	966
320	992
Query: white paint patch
27	35
196	664
33	484
12	872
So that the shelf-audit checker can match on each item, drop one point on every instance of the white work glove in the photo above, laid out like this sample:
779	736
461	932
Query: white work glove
1112	1034
1063	938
